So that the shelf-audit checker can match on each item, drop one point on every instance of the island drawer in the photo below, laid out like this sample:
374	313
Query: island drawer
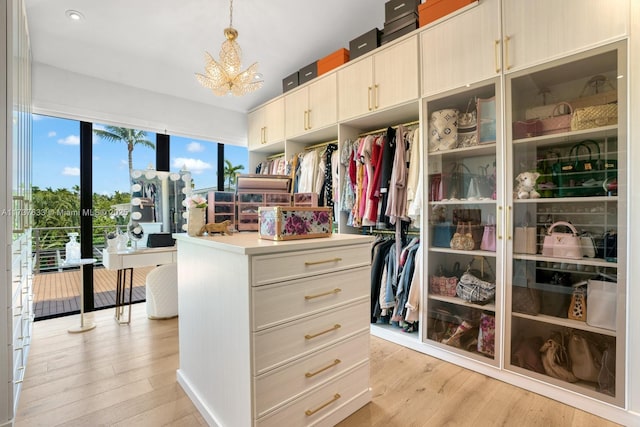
286	301
282	344
292	265
277	386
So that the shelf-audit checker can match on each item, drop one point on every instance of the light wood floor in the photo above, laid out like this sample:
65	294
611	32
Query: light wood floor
118	375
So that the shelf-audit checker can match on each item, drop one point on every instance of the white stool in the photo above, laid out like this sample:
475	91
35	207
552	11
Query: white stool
162	292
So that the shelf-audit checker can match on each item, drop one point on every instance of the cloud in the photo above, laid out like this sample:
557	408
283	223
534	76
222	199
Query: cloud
195	147
52	134
71	171
195	166
70	140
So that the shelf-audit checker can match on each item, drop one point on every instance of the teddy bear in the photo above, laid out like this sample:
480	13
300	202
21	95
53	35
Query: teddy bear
526	185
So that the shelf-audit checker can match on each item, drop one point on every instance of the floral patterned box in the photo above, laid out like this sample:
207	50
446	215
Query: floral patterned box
289	223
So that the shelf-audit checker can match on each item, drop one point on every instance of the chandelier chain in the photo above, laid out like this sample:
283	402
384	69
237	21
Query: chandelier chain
231	14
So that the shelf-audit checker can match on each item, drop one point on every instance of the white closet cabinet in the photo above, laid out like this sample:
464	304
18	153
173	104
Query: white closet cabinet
311	107
266	124
536	31
379	81
473	35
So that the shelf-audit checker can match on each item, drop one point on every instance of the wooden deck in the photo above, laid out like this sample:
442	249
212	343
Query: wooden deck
58	293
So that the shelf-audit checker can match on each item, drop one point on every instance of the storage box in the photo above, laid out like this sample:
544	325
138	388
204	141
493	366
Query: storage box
436	9
285	223
395	9
408	28
364	43
290	82
307	73
332	61
400	23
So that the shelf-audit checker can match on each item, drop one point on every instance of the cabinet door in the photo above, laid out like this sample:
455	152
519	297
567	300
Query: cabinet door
396	74
546	29
323	107
355	89
582	186
274	121
463	50
296	109
464	196
256	128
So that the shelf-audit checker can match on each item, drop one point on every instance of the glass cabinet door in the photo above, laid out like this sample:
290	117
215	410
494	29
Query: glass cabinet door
462	278
567	223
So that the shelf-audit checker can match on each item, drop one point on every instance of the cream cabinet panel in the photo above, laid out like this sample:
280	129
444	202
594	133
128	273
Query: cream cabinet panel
266	124
323	106
355	89
546	29
396	74
474	37
311	107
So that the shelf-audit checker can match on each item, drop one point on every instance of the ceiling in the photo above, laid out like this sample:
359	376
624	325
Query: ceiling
158	45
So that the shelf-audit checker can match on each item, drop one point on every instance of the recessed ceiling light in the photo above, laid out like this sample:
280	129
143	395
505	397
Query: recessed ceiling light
74	15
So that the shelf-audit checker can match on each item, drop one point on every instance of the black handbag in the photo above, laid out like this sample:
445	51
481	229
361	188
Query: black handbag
580	177
160	240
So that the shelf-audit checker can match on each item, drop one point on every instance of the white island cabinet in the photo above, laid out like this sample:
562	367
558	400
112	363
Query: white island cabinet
274	333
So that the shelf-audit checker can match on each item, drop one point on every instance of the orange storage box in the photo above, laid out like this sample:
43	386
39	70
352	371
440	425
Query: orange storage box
332	61
432	10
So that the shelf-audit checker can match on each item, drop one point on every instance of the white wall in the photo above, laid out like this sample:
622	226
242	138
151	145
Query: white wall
61	93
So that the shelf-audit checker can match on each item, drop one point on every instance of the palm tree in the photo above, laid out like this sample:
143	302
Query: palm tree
131	137
230	172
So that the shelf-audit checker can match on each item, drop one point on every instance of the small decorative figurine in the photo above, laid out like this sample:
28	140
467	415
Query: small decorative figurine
526	185
215	227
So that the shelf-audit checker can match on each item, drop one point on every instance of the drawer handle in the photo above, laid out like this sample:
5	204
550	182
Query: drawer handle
333	328
324	294
310	412
308	263
313	374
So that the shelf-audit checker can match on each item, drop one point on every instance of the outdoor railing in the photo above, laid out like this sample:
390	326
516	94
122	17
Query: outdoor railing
49	245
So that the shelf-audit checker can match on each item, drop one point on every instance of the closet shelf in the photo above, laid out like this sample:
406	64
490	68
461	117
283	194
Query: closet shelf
569	137
458	301
568	323
598	262
567	200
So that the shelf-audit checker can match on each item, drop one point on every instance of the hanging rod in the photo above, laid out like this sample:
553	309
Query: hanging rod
320	145
275	156
373	132
382	231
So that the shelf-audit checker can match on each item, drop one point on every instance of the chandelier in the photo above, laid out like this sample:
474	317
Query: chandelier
224	77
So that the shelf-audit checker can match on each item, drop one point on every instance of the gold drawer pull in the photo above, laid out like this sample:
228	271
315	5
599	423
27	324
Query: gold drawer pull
308	263
310	412
324	294
313	374
334	328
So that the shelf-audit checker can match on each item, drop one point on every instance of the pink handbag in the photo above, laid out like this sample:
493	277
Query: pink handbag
558	122
562	245
488	242
527	129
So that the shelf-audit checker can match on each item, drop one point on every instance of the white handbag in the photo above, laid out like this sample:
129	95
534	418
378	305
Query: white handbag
562	245
443	130
601	295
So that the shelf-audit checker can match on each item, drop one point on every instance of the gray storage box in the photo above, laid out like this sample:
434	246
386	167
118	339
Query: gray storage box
290	82
307	73
364	43
395	9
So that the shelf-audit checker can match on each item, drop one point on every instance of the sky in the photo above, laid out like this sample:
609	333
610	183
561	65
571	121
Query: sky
56	157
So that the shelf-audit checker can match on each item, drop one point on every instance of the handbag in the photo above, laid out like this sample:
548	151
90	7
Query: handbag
586	358
463	238
588	245
443	130
524	240
457	181
602	296
578	177
555	297
611	246
486	108
556	360
444	282
487	334
488	242
562	245
468	126
442	234
435	185
558	122
594	116
578	304
471	215
525	298
607	375
527	128
474	287
596	83
526	354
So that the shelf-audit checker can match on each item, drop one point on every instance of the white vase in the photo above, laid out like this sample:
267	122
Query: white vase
195	221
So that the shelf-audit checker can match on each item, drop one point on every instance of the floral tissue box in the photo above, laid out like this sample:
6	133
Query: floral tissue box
289	223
